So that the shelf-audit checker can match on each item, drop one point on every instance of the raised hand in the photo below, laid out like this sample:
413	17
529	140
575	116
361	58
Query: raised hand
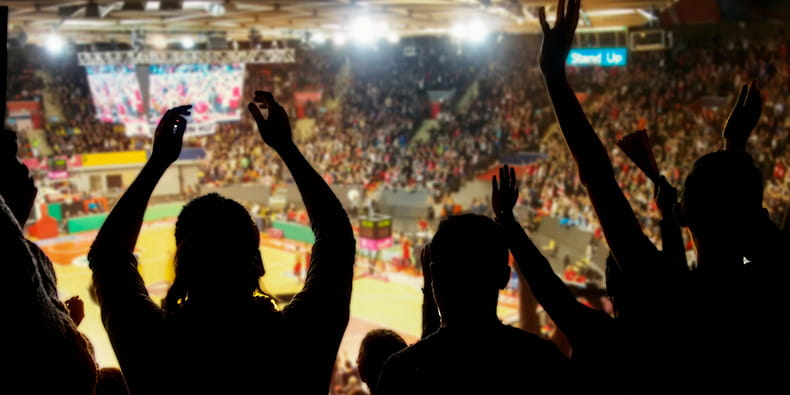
425	263
274	129
505	193
169	135
76	309
666	197
557	40
743	118
430	313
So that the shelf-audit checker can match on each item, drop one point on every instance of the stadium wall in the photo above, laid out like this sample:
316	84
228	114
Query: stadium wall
99	179
294	231
153	213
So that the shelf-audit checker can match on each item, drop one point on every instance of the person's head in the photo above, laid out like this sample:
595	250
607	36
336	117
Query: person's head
376	347
16	185
469	264
110	381
722	197
216	251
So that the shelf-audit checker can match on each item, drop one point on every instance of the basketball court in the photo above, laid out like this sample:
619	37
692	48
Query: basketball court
388	300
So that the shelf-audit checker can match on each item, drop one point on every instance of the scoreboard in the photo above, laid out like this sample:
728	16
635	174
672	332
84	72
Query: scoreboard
58	167
375	226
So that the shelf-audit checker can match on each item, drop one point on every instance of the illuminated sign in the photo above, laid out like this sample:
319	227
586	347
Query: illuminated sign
606	57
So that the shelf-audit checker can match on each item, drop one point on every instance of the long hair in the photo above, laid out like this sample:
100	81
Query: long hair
216	248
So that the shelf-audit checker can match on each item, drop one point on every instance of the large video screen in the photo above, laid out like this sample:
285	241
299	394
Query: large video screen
214	90
116	93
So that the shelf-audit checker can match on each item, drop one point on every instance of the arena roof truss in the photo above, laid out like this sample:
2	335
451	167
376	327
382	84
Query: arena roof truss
102	20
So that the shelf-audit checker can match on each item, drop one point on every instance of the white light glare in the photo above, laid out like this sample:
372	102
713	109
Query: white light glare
364	31
610	12
216	9
187	43
318	38
393	37
159	42
474	32
649	16
339	39
54	43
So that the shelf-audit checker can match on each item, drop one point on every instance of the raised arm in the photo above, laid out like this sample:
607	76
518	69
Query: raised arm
122	227
430	312
620	226
743	118
550	291
671	233
330	273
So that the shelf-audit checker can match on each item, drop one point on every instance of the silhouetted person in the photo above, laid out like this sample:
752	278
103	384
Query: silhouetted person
718	349
110	381
740	309
44	351
473	352
598	343
218	331
377	346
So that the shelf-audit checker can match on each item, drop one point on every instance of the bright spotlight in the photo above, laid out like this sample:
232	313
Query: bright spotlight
393	37
159	42
216	9
187	43
317	38
54	43
363	31
458	32
474	32
477	32
339	39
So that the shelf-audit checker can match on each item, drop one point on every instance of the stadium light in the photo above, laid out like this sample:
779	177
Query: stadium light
54	43
159	42
216	9
187	43
478	32
610	12
318	38
475	32
649	16
393	37
339	39
364	31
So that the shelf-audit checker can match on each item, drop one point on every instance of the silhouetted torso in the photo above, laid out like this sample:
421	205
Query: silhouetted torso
224	348
44	351
496	359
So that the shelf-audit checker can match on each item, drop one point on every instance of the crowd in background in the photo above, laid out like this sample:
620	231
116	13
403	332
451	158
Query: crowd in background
365	129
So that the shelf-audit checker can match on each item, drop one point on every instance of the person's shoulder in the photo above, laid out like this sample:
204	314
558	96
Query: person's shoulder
522	339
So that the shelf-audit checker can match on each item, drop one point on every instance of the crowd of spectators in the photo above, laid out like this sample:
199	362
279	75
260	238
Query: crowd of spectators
372	106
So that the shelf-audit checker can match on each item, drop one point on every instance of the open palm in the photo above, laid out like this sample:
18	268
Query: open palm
557	41
504	193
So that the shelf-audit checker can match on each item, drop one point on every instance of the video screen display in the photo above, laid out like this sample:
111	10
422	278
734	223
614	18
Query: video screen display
214	90
116	93
606	57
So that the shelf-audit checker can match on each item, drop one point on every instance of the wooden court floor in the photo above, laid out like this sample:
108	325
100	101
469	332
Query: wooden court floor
375	303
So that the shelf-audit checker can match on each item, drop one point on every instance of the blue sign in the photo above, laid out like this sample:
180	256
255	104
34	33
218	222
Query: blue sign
606	57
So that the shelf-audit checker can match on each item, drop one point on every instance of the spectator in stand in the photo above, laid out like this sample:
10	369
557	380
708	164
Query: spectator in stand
110	381
157	348
42	327
468	252
722	206
376	347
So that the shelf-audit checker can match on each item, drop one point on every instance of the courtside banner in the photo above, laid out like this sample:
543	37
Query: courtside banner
114	158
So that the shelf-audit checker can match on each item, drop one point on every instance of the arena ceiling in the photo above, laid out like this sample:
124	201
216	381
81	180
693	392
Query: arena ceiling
92	21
